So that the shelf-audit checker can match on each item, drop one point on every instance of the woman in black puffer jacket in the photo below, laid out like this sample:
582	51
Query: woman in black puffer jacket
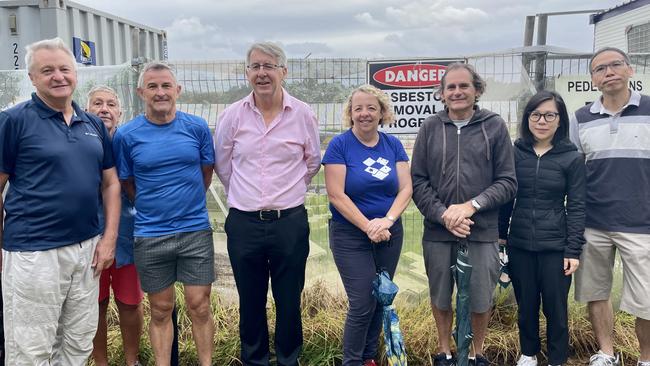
546	223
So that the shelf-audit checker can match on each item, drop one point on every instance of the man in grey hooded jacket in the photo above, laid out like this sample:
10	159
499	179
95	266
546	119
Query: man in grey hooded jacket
463	171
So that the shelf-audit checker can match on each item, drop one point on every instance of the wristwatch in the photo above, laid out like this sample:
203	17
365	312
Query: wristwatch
476	205
391	218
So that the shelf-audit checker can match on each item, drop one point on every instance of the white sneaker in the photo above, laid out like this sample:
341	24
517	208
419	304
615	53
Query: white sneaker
527	361
603	359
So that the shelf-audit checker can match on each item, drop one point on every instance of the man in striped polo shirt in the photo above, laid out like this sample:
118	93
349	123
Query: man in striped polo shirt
614	134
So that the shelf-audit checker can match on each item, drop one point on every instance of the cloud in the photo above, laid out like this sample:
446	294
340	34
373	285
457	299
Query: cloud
419	14
467	17
367	19
193	39
208	29
185	28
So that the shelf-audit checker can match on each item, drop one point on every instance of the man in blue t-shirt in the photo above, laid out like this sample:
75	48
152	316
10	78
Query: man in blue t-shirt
56	158
164	160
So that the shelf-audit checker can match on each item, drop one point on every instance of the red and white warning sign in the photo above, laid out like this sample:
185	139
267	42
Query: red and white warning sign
411	86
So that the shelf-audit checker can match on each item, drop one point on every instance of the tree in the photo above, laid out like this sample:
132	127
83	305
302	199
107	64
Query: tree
312	91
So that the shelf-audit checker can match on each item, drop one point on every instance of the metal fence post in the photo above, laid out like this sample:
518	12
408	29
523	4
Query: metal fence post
540	69
137	61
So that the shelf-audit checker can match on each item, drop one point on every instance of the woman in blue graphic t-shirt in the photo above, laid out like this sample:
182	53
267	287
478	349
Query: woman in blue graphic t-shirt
369	186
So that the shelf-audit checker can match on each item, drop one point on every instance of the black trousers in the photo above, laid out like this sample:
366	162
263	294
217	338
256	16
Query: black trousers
539	276
259	249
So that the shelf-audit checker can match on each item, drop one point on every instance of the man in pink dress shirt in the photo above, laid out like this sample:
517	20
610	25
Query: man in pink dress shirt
267	150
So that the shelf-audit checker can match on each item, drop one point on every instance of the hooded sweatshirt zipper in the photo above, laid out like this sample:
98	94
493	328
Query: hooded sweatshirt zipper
458	155
458	165
480	119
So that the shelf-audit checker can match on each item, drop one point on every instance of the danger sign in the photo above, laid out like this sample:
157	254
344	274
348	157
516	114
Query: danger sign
410	76
411	86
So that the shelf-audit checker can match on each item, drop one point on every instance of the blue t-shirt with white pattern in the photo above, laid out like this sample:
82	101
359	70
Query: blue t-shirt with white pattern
371	179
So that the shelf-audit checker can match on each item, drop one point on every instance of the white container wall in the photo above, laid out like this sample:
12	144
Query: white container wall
116	40
614	27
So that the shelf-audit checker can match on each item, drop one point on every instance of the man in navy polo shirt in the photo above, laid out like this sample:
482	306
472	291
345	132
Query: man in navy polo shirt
56	158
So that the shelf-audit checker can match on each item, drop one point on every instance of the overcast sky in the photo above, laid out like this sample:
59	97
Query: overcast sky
223	29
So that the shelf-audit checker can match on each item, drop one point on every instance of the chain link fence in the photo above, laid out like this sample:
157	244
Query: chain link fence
208	87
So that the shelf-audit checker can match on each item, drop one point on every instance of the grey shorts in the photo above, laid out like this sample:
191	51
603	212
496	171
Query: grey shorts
184	257
484	258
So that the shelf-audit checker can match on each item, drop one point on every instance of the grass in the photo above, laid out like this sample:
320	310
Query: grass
324	314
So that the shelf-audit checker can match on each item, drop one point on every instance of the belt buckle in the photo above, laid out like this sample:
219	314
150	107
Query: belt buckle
263	216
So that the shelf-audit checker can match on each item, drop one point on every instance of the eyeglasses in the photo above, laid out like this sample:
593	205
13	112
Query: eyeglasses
267	67
548	116
614	65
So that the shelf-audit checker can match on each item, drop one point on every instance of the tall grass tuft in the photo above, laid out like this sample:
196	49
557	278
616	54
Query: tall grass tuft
324	315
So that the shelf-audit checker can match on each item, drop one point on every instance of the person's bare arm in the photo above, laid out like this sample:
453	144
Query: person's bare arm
128	186
105	251
206	171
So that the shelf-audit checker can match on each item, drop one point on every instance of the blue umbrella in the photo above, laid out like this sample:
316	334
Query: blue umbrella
462	272
384	289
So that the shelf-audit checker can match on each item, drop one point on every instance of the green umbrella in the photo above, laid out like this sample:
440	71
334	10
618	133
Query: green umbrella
462	272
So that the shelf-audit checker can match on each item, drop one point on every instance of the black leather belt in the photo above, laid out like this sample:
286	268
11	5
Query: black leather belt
270	215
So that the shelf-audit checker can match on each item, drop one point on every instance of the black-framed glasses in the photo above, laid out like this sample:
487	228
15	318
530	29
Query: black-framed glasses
266	67
548	116
614	65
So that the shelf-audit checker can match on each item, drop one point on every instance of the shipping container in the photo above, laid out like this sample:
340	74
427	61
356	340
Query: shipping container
96	38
